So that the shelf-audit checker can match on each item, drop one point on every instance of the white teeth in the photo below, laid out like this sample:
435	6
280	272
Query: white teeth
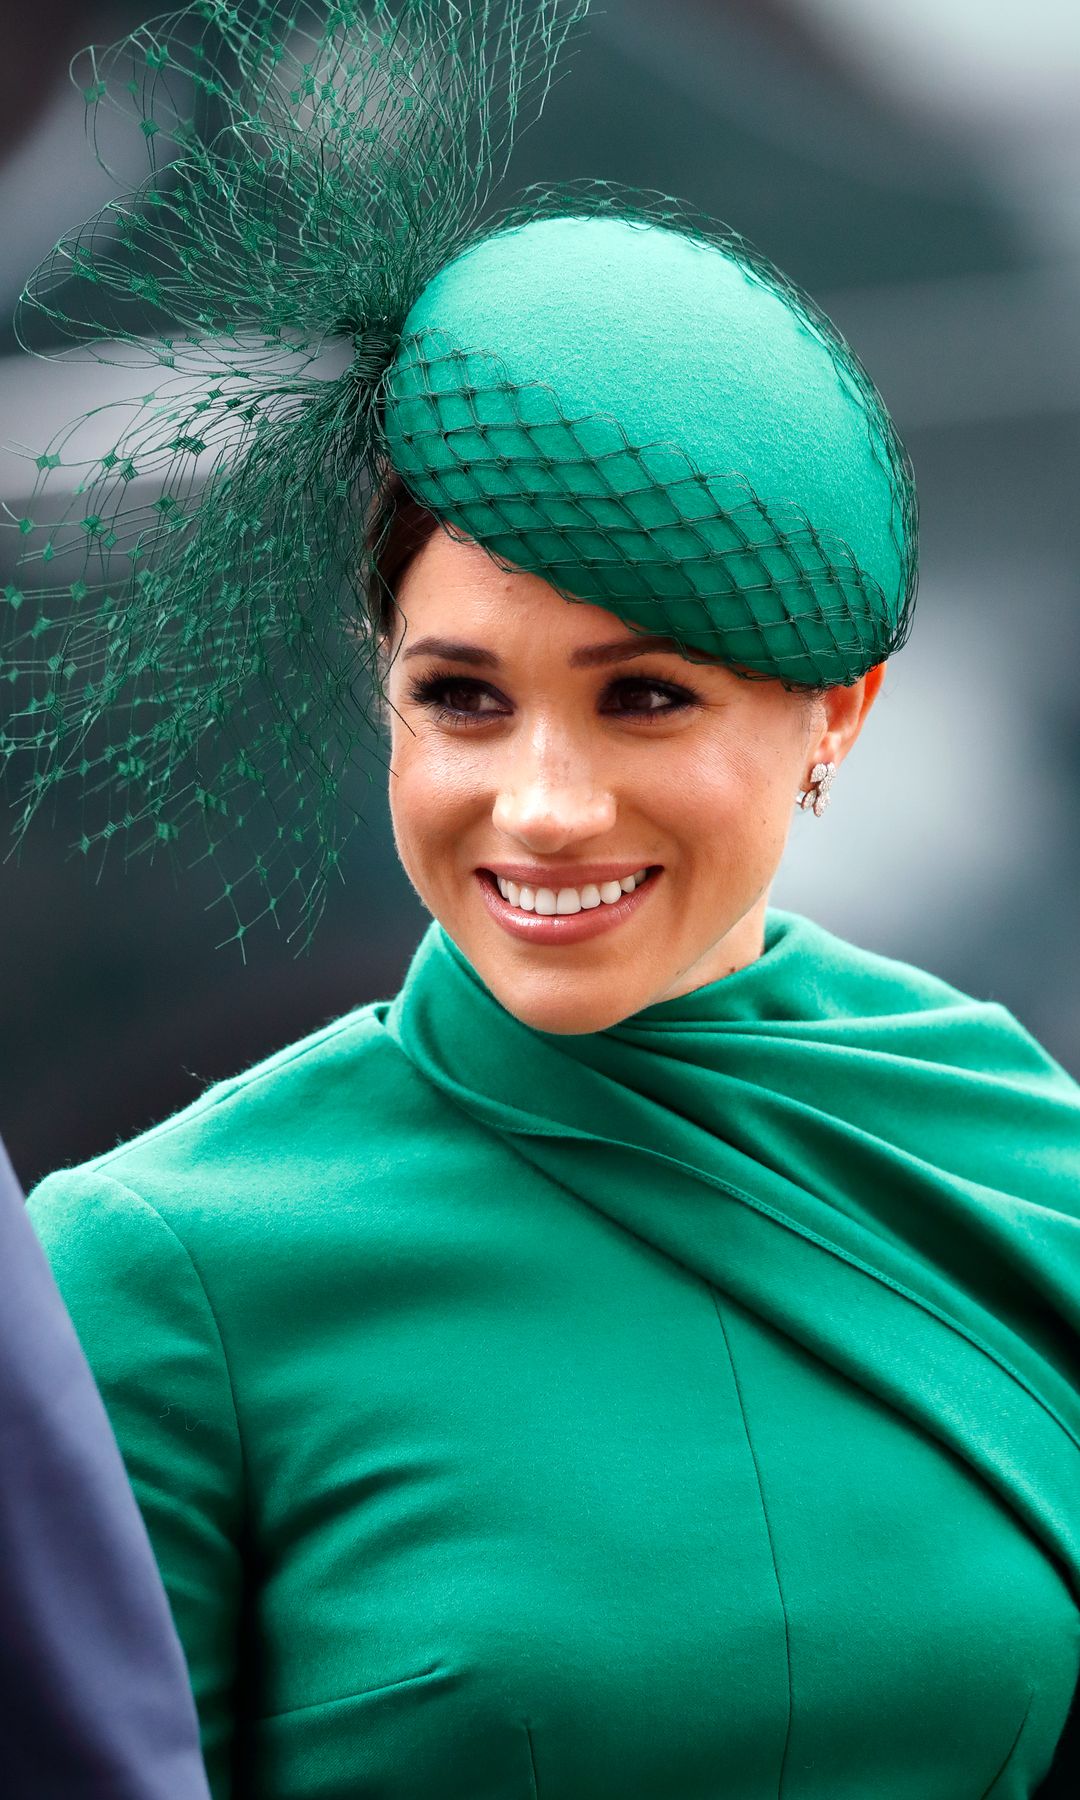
567	900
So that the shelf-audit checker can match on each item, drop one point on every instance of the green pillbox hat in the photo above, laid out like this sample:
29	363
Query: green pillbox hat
644	419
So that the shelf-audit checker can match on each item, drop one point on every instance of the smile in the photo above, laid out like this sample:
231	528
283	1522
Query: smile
567	900
564	915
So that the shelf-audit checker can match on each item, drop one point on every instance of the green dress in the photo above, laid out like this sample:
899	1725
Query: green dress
686	1411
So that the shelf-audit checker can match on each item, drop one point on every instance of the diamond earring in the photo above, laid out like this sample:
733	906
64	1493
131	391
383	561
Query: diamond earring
816	795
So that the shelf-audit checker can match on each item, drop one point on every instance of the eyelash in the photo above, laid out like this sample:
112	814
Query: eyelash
427	689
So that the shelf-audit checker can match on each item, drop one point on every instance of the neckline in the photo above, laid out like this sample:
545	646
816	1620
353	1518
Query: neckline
727	997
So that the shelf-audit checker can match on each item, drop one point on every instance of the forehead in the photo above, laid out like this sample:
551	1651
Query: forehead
454	599
457	604
453	587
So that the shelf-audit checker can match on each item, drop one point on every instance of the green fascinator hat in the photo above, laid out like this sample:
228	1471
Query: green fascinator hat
659	424
599	388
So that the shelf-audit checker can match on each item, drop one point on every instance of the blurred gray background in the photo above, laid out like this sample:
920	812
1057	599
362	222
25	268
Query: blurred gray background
918	169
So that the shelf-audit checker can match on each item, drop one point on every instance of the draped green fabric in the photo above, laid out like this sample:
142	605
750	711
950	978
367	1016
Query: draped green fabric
686	1409
884	1166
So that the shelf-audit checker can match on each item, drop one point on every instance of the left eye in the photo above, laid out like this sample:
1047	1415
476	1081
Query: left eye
636	694
456	698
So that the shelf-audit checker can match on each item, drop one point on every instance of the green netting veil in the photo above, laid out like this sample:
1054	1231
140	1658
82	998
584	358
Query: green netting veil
599	388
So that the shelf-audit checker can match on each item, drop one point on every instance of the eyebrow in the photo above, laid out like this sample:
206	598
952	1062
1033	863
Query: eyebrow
589	656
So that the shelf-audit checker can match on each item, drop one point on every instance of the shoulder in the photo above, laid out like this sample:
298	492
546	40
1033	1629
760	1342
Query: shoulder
845	976
838	989
282	1133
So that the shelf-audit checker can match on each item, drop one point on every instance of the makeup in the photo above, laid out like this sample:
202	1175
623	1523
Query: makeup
555	928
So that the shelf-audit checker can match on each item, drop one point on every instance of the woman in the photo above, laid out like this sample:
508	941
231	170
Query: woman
641	1358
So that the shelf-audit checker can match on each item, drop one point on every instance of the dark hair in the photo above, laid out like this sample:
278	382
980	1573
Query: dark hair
398	528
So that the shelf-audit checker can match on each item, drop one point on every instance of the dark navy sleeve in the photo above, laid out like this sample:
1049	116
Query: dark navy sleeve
95	1700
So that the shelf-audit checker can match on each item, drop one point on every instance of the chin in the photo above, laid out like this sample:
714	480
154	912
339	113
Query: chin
563	1005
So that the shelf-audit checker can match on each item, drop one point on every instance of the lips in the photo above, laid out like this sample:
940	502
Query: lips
557	875
549	900
572	924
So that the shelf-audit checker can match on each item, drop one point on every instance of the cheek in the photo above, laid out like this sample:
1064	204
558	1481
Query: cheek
433	793
734	791
727	812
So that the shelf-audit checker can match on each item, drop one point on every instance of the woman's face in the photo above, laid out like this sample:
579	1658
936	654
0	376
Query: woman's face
543	755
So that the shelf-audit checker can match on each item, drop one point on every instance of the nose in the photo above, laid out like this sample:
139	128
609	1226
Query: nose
550	799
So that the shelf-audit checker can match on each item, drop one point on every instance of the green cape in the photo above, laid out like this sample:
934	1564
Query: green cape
881	1166
686	1409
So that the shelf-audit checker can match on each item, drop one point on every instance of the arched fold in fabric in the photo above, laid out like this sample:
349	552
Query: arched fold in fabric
877	1164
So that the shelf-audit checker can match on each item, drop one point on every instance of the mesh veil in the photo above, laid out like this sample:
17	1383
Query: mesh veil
177	639
186	638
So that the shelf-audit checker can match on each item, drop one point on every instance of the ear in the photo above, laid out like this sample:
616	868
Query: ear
840	719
